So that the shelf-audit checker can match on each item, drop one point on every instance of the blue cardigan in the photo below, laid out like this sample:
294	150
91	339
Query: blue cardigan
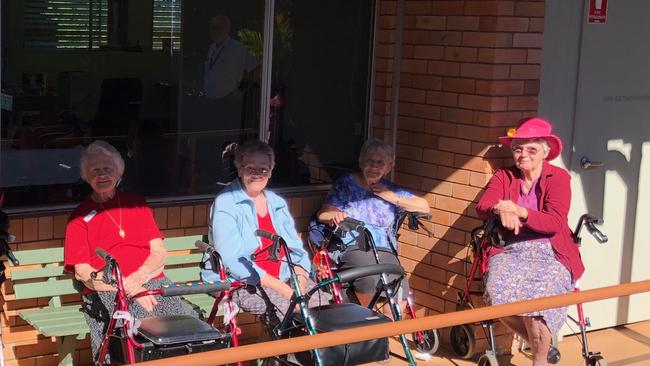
233	221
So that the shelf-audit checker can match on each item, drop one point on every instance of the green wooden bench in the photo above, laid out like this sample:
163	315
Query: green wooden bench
66	321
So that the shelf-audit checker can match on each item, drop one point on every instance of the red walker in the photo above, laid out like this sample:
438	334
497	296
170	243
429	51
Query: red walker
155	337
462	339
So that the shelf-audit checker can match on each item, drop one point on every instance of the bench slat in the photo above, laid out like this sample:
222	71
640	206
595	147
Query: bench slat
54	322
194	258
73	328
204	302
182	242
186	274
45	272
50	311
39	256
44	289
60	319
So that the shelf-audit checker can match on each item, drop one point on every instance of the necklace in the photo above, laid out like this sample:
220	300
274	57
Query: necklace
119	226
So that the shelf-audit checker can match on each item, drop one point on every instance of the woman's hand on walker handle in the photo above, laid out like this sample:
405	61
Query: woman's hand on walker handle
330	215
133	283
510	221
337	217
508	214
509	206
147	302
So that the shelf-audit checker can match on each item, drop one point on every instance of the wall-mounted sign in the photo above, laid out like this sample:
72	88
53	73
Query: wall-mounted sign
597	11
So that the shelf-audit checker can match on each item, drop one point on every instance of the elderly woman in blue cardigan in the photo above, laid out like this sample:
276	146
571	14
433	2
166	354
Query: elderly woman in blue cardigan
237	212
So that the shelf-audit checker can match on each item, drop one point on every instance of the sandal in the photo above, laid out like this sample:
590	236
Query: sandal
553	356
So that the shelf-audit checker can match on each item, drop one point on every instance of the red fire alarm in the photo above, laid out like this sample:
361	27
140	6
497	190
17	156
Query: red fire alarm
597	11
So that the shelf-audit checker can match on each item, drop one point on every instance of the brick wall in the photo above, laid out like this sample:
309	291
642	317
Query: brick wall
22	344
469	70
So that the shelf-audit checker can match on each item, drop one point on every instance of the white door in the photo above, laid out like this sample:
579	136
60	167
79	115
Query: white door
612	127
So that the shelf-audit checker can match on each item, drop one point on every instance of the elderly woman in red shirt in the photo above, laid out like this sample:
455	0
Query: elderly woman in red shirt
540	257
123	225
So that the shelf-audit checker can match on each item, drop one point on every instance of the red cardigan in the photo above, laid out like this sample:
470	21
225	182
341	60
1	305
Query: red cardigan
555	199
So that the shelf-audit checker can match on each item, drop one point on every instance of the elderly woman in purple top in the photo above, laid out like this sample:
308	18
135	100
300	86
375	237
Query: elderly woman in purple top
367	196
532	199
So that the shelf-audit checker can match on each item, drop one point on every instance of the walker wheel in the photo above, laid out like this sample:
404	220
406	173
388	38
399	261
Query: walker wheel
597	361
488	360
462	340
429	342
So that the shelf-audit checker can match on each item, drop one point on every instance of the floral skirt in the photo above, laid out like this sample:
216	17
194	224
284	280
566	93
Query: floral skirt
528	270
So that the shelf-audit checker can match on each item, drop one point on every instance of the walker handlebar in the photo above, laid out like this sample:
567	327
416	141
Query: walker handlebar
593	230
274	248
413	221
349	224
419	215
204	247
107	270
194	288
352	274
267	235
214	258
590	222
103	254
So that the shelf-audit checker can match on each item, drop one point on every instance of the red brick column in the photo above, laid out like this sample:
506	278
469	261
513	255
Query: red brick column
469	70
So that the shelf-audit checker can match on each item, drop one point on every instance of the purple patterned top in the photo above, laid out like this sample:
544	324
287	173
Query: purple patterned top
530	201
379	215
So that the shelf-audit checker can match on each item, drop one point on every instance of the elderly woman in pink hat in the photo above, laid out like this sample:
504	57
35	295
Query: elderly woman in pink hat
539	258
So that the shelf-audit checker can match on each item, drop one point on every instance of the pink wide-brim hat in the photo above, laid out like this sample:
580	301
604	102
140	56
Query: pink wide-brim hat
532	128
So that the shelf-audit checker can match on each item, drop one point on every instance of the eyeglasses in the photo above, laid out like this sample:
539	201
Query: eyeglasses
251	170
371	162
94	172
530	150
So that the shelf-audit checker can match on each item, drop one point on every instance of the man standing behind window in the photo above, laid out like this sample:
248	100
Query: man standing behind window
227	64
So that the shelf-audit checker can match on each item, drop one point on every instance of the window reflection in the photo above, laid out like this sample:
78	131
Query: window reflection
171	83
321	68
221	85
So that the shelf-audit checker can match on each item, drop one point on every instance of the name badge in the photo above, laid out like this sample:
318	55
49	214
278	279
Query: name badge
90	216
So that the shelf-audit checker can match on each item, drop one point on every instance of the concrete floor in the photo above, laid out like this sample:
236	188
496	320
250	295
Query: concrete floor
627	345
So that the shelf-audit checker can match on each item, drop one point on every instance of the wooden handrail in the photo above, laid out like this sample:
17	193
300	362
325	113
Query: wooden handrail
292	345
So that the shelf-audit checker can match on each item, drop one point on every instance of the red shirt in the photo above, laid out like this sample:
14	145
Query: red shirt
261	255
93	225
554	192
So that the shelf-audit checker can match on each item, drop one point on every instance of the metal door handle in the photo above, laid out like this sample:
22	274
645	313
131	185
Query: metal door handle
585	163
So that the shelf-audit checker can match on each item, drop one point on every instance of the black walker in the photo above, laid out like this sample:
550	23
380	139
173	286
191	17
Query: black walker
329	317
426	341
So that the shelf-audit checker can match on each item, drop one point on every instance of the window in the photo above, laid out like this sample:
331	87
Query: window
171	114
166	24
321	69
65	24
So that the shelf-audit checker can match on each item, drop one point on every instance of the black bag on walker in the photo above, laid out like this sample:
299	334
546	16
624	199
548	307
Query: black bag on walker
174	335
339	239
332	317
